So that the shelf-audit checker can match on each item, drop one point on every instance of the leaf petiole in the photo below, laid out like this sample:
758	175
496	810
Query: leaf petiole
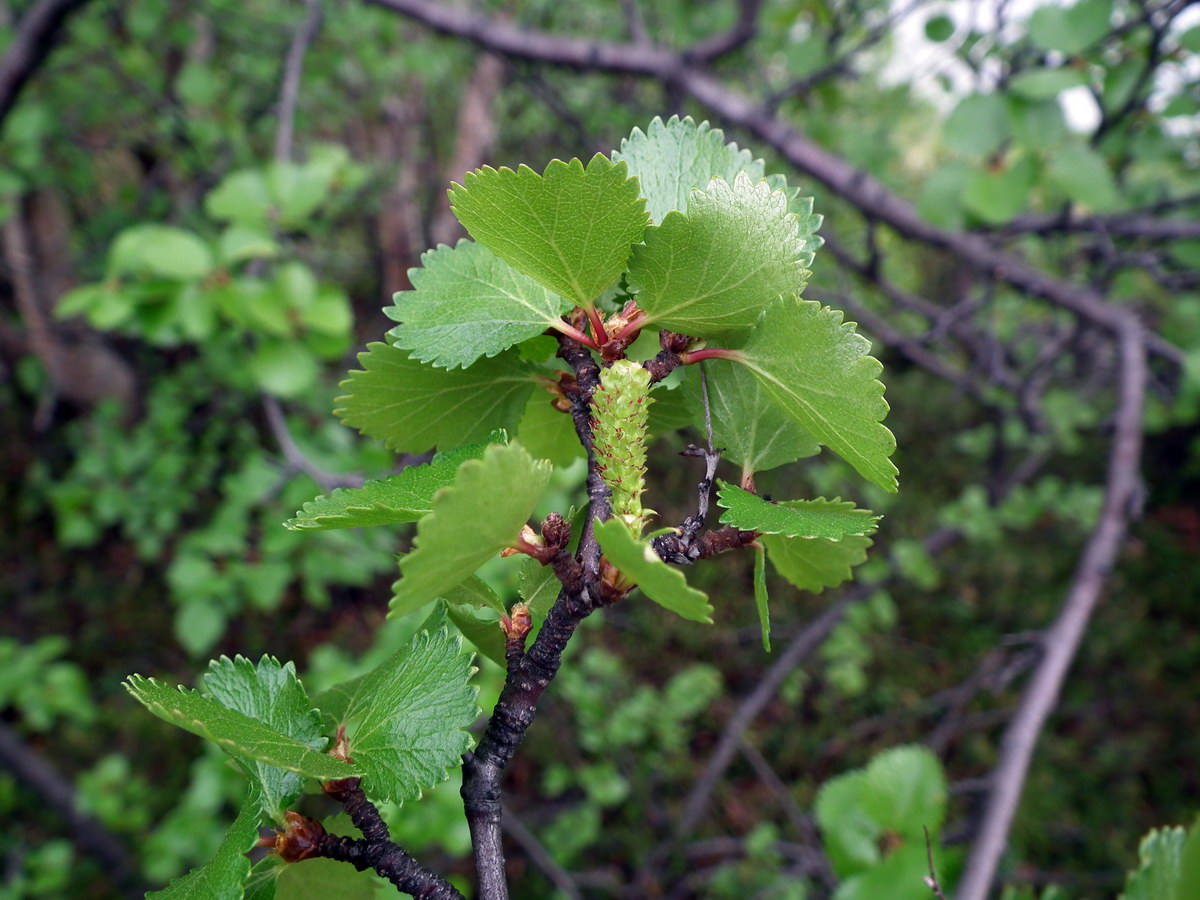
694	356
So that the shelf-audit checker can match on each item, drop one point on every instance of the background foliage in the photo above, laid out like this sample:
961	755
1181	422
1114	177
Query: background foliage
178	299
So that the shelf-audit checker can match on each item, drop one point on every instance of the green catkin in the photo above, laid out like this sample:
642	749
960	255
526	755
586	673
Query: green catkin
620	407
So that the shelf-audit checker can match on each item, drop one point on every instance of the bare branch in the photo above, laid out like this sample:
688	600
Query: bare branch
1064	636
289	91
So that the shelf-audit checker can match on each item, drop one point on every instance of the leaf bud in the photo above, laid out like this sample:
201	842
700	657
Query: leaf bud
300	839
517	625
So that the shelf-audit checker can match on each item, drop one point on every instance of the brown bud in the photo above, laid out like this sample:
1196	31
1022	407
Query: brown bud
556	530
517	625
300	838
674	343
341	746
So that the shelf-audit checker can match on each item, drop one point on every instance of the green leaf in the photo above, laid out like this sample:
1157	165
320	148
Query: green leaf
813	564
411	406
939	28
715	269
816	368
760	594
1042	84
1160	854
905	790
406	719
671	160
241	197
539	588
997	196
390	501
748	426
269	693
223	877
327	879
239	243
284	368
1071	30
820	518
234	732
471	521
978	125
850	835
548	433
160	250
638	562
571	229
898	876
476	618
1084	176
466	303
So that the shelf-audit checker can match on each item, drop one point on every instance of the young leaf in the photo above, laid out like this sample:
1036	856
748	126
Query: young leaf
905	789
638	562
483	634
223	877
749	427
463	606
406	719
813	564
760	594
412	407
571	228
390	501
671	160
850	835
466	303
1165	856
816	368
269	693
234	732
478	516
820	518
539	588
715	269
548	433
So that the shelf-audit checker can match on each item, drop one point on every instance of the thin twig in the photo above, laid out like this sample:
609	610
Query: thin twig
558	876
289	91
931	882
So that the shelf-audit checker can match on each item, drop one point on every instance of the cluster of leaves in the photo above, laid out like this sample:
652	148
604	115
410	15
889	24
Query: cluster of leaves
1015	150
679	231
725	262
403	724
169	285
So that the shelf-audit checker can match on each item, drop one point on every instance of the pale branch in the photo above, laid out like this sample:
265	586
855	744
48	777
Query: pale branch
1063	638
35	37
748	709
867	194
294	458
293	66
